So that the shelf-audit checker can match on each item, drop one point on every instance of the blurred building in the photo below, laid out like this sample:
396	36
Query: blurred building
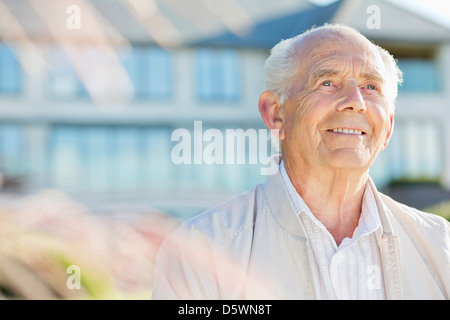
89	102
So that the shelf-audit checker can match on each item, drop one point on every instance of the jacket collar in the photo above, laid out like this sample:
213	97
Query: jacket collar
280	204
390	251
284	212
383	211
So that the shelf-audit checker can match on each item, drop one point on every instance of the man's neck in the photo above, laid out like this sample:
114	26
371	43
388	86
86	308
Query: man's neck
334	197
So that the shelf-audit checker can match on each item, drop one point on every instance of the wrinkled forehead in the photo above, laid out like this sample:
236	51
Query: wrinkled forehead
337	51
322	39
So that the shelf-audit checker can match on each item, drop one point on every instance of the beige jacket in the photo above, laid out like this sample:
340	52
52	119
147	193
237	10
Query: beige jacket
255	247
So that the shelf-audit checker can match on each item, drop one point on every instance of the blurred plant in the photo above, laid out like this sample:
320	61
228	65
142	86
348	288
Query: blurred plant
415	181
442	209
43	234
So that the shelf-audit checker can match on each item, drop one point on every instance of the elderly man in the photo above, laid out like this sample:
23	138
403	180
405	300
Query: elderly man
318	228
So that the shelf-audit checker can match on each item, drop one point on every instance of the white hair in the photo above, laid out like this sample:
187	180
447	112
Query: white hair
282	65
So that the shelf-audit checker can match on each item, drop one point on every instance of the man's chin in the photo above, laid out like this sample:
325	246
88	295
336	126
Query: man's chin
349	159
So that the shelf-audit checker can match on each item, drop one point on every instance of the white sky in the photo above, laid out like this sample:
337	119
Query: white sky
438	10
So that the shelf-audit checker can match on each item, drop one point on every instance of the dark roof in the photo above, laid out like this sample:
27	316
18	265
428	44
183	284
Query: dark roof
268	33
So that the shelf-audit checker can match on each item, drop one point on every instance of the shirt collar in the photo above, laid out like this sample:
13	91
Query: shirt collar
369	220
370	217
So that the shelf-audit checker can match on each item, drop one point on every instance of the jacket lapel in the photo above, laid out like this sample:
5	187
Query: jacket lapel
389	251
281	205
390	261
283	212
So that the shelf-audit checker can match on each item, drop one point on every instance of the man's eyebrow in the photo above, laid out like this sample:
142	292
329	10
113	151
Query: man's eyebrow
321	73
374	76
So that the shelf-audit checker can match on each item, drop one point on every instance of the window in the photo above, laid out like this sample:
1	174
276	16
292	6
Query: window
414	151
149	69
126	158
102	158
217	72
63	81
419	75
12	150
422	149
420	66
10	71
65	159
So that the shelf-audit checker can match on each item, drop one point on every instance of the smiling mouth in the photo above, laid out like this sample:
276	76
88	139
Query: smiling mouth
347	131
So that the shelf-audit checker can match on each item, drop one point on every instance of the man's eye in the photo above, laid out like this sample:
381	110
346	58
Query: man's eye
327	83
371	87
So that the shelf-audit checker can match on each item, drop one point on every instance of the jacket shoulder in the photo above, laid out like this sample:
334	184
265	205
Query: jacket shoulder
409	215
226	220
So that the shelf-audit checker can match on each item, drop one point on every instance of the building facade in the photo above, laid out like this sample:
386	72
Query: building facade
99	117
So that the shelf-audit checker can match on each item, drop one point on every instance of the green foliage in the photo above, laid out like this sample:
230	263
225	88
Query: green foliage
33	265
442	209
51	247
415	180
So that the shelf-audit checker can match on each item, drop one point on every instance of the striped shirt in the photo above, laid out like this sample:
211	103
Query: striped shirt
351	270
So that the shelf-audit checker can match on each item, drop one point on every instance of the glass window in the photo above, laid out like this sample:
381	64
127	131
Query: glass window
419	75
159	73
10	71
126	153
101	158
12	150
414	152
97	157
65	164
157	164
150	71
116	158
422	149
217	73
63	81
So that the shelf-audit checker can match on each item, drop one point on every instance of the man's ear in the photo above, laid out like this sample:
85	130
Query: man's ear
390	130
270	111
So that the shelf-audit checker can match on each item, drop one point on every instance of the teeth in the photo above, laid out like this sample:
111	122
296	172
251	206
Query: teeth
347	131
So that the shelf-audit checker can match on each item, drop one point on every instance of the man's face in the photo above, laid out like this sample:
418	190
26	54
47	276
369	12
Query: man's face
337	115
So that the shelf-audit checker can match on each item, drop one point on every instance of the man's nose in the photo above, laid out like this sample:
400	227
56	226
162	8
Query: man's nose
353	100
